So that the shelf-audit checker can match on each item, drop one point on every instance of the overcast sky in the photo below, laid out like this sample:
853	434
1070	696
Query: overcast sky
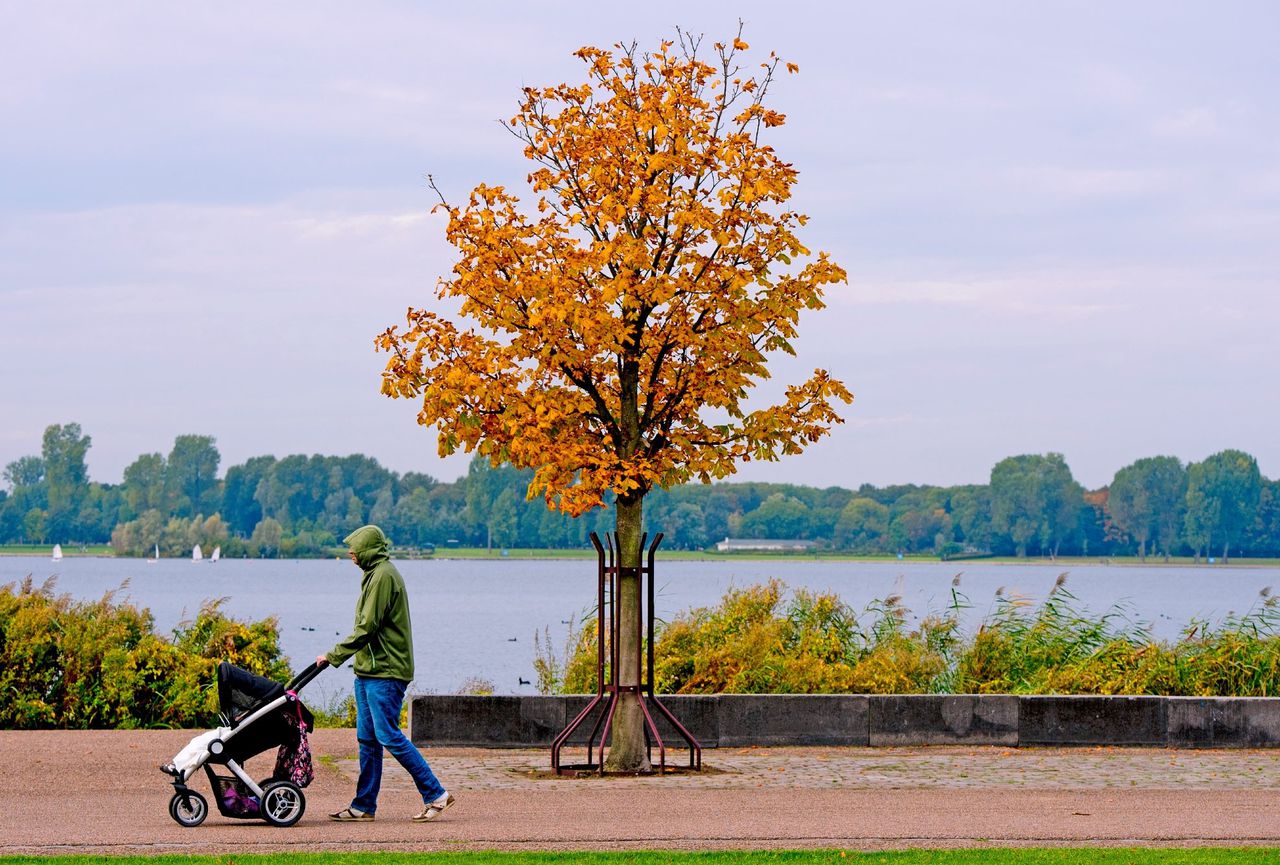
1061	221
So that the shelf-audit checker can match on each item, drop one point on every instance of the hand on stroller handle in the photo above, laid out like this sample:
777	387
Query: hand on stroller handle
301	680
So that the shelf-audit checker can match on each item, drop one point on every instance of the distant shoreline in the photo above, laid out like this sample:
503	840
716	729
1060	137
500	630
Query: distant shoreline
472	554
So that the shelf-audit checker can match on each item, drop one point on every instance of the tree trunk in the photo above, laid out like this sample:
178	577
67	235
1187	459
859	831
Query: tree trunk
627	751
1142	550
1226	549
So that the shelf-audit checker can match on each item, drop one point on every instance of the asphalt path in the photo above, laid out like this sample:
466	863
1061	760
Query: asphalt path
100	792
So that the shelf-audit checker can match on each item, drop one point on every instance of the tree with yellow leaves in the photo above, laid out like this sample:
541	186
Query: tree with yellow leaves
616	331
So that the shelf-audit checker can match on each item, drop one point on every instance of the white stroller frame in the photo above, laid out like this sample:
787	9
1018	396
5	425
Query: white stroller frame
216	747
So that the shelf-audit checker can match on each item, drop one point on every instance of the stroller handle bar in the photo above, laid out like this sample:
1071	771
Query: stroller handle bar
300	681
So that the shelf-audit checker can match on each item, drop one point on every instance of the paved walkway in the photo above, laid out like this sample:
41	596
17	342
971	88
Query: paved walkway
99	792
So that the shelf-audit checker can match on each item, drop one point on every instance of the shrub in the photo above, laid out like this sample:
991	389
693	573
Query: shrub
759	640
763	640
75	664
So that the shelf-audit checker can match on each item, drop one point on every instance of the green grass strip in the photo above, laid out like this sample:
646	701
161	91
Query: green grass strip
1002	856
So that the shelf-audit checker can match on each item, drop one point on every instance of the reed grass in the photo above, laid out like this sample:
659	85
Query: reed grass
768	639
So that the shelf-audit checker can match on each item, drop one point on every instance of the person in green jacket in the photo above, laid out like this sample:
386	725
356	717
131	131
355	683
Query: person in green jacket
382	643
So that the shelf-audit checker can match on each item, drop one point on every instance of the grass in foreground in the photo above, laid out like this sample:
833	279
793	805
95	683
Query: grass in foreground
994	856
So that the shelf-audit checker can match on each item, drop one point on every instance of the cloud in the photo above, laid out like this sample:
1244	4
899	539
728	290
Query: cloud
264	316
1110	84
1083	183
1053	223
869	422
1198	122
346	227
1030	295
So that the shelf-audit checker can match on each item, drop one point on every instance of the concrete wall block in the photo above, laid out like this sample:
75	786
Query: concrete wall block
510	722
850	719
1223	722
793	719
944	719
463	720
1204	722
1091	720
541	718
700	715
1261	721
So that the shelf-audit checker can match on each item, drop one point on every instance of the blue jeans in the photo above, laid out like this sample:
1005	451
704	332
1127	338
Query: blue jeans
378	703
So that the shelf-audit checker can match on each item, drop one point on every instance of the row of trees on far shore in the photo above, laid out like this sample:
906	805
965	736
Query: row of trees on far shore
302	505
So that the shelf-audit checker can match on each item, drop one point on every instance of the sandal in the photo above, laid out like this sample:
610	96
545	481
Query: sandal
432	810
350	815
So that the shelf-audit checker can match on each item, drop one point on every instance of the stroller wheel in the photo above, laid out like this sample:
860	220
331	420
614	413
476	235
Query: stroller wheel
188	808
282	803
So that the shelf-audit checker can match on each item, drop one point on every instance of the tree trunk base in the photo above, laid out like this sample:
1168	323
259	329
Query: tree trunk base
627	752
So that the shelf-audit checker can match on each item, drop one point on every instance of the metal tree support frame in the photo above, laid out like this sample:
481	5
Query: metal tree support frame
608	694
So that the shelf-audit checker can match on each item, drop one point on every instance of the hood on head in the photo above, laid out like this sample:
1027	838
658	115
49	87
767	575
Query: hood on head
370	546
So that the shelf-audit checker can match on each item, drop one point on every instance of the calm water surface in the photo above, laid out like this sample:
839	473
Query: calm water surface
478	617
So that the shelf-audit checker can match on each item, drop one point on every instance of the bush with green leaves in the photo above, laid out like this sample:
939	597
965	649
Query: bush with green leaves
91	664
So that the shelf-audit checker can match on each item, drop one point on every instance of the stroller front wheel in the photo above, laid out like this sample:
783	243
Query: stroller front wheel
188	808
282	803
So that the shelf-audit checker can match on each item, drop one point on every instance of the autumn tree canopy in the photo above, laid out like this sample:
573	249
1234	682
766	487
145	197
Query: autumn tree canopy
618	324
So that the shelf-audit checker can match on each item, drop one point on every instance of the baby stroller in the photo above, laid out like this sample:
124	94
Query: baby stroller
257	715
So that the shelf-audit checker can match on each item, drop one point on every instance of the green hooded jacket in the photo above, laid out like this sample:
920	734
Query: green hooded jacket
382	640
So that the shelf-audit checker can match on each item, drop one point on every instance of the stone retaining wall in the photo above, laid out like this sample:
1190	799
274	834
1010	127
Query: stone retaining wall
733	720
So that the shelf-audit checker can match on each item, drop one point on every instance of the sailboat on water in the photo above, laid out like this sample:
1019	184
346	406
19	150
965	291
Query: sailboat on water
152	561
196	555
57	552
217	554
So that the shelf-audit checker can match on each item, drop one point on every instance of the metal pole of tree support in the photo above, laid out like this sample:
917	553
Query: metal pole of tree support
608	691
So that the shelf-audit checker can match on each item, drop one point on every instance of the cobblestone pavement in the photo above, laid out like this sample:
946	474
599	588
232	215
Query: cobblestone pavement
880	768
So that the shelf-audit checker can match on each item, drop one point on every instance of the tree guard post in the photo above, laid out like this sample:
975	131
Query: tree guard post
608	691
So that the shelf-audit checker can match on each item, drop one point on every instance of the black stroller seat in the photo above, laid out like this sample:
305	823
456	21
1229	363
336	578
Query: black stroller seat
240	695
240	691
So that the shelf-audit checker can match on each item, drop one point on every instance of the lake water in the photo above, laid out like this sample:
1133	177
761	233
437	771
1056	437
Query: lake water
478	617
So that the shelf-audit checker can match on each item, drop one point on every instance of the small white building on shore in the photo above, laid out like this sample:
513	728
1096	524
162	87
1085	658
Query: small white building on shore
755	545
